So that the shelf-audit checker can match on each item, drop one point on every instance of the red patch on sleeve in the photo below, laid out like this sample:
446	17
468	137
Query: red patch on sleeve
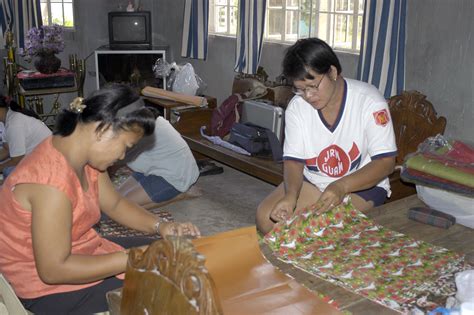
382	118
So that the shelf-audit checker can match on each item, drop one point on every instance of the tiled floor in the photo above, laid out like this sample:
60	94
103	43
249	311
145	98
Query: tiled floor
229	201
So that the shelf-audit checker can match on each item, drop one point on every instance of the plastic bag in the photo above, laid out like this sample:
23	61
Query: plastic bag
181	78
162	69
465	286
185	81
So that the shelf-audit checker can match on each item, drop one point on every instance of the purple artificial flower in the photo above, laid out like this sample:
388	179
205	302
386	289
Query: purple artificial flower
44	40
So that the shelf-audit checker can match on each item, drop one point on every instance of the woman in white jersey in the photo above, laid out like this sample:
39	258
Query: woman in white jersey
339	138
23	132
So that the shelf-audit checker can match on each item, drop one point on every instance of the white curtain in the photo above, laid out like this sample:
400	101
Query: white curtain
382	57
250	35
195	29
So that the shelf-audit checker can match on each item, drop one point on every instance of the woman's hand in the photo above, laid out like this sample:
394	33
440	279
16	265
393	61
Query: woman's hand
179	229
284	209
331	197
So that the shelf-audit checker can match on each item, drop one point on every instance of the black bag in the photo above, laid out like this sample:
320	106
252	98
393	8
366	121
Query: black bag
257	140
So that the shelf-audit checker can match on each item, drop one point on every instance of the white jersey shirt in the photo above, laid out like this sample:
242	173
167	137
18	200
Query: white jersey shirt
363	131
23	133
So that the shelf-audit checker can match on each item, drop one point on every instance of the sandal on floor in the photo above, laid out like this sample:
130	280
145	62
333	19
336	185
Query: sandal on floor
210	169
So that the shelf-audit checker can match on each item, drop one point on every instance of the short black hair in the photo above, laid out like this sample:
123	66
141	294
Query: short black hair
309	54
103	106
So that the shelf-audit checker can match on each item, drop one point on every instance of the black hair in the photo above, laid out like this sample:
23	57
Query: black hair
309	54
4	103
103	106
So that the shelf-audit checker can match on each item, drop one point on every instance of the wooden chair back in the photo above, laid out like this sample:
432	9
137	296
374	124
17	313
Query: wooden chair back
168	278
414	120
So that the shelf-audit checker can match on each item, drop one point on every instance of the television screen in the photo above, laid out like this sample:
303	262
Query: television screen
130	30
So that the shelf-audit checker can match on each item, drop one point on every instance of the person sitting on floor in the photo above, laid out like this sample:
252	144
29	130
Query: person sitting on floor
339	138
23	131
49	251
163	168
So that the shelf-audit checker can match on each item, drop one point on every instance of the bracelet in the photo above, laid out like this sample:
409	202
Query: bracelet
158	223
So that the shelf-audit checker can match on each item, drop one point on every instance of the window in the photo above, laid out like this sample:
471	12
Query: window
57	12
338	22
223	17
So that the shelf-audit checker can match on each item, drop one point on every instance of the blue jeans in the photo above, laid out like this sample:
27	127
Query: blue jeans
157	188
7	171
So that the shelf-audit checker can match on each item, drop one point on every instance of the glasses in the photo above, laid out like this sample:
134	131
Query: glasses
309	89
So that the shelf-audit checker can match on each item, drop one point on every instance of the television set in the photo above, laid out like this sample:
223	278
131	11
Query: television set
130	30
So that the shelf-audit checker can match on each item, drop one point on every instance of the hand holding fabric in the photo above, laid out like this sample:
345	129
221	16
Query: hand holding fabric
331	197
179	229
284	209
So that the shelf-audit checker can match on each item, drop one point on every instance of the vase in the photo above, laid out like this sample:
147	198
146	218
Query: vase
47	63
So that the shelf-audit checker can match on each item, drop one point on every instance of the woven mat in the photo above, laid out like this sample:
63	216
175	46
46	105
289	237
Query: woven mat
110	228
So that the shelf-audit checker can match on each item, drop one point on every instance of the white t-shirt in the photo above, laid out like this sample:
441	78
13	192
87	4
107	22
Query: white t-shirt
23	133
363	131
165	154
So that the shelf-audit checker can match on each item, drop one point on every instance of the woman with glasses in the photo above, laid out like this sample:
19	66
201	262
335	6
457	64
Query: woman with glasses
339	138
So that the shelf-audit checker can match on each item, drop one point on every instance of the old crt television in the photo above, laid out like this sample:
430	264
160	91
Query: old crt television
130	30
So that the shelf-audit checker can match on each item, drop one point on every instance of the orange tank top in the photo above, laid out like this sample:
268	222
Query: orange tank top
47	166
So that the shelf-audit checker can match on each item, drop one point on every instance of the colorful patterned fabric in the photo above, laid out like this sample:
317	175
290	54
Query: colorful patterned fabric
345	247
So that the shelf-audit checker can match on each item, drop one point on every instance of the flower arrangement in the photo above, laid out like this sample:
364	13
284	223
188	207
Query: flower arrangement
46	39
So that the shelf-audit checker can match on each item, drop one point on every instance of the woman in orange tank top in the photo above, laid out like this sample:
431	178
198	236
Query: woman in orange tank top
49	251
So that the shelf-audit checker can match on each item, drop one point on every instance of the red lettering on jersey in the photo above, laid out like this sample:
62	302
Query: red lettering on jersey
381	117
333	161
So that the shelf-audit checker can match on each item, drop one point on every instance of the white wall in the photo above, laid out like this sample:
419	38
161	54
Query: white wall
439	56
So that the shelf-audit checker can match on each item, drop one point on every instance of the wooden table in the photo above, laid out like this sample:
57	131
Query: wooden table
394	216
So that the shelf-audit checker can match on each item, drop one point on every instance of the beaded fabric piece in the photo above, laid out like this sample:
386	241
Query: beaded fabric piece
110	228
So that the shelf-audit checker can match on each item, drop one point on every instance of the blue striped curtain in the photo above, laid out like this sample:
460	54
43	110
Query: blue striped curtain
195	29
6	17
382	57
27	15
19	16
250	35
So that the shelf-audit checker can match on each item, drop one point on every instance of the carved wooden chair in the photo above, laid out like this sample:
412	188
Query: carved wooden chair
176	272
414	119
